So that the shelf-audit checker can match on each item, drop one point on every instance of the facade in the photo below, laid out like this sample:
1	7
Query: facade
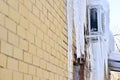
55	40
115	75
94	52
33	40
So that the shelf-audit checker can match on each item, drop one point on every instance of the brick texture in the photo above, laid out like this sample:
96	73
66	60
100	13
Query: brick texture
33	40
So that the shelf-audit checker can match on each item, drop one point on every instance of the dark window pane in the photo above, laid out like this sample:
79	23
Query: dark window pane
93	20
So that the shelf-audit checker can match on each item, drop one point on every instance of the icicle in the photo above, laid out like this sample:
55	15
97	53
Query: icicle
79	21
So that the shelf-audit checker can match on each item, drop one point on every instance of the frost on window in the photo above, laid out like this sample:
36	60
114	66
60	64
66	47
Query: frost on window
93	20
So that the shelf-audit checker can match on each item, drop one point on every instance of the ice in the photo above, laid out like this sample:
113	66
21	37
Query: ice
79	23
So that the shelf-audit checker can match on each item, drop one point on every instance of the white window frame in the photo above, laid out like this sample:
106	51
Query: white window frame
99	14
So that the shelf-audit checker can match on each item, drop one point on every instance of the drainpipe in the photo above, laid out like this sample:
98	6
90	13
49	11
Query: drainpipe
70	25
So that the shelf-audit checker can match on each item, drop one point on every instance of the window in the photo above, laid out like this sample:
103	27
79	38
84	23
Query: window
93	20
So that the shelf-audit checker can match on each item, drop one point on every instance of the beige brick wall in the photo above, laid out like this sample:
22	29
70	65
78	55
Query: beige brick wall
33	40
114	75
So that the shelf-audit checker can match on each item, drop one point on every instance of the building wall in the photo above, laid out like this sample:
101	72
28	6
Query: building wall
33	40
115	75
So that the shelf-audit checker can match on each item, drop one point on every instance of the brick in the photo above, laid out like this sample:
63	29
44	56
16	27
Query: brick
46	39
61	78
23	67
39	5
35	20
44	45
39	52
23	44
24	22
10	25
50	2
3	60
49	67
35	78
32	70
30	37
52	76
48	22
13	14
56	77
56	46
5	74
18	53
43	64
13	3
46	56
49	48
45	11
50	33
3	33
23	11
32	29
40	34
36	60
28	4
38	41
56	62
42	17
53	28
37	36
3	7
2	19
50	16
27	77
12	64
21	31
48	6
53	52
32	49
33	1
22	1
36	11
52	59
53	68
13	39
6	48
46	74
27	57
40	73
17	76
43	2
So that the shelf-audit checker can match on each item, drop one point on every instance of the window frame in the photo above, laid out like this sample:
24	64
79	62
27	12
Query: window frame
99	21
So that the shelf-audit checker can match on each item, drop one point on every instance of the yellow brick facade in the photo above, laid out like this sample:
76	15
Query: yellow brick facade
33	40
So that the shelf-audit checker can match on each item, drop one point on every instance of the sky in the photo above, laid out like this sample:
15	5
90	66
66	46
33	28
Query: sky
115	16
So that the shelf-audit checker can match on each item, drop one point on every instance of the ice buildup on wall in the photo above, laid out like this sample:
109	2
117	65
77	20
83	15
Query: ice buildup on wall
79	21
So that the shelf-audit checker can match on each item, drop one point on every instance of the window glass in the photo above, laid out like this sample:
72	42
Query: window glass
93	20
